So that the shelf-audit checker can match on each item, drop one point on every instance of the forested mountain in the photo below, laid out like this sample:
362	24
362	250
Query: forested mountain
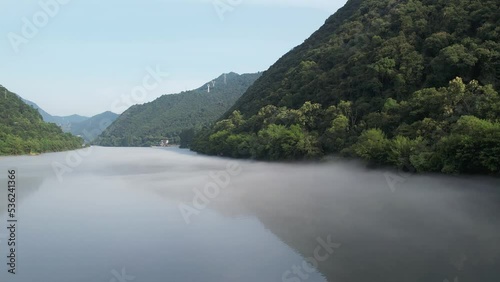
22	130
90	128
169	115
411	83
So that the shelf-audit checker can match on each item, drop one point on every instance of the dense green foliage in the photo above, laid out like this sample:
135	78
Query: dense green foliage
22	130
169	115
449	129
382	80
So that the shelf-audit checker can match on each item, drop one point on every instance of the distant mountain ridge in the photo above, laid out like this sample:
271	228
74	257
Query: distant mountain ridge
87	128
169	115
62	121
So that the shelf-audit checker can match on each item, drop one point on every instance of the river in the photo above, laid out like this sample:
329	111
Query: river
153	214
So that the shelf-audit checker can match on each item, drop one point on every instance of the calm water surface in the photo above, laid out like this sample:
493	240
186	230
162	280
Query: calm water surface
140	214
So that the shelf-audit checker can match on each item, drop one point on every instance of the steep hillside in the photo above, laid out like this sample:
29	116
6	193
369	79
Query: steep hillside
90	128
169	115
371	50
22	130
410	83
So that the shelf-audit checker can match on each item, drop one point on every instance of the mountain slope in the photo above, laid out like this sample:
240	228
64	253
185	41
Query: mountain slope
406	83
384	49
22	130
169	115
90	128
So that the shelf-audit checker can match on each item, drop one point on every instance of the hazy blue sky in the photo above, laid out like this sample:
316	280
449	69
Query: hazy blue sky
85	55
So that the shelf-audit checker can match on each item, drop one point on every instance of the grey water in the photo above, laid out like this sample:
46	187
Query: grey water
152	215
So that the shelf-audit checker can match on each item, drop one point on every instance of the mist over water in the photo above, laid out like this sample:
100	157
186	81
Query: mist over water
119	211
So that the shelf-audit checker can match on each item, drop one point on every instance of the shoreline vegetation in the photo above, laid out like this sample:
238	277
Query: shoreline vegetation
455	133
